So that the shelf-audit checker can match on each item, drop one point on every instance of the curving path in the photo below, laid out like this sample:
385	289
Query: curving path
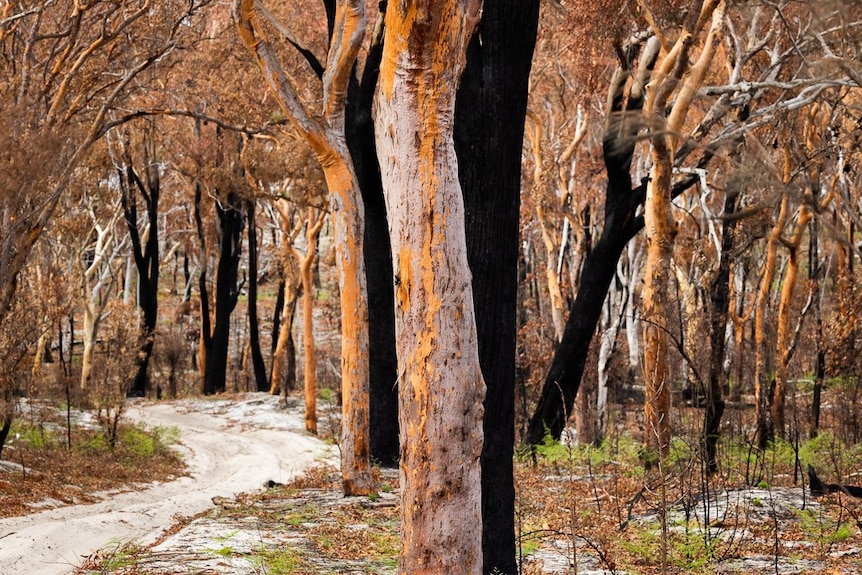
230	447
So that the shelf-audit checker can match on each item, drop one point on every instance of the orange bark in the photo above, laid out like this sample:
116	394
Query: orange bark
658	221
326	137
762	409
784	336
314	222
441	388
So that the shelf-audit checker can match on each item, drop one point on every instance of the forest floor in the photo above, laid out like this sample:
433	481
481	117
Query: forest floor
301	524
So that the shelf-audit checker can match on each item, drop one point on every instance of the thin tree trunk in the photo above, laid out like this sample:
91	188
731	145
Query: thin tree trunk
146	255
314	222
88	336
284	355
784	336
720	299
762	409
227	292
258	365
814	272
440	379
205	339
5	428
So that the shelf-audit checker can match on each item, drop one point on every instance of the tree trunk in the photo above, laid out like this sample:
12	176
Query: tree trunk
784	337
660	231
327	137
608	344
258	366
621	224
313	224
146	254
494	86
227	292
205	336
762	396
347	215
284	354
89	325
719	291
441	388
383	361
4	428
814	272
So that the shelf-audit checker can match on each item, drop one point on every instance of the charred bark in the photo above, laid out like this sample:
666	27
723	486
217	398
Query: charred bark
5	428
230	226
495	81
258	366
146	255
383	361
621	224
720	297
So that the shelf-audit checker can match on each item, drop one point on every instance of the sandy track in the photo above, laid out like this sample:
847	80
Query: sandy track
224	458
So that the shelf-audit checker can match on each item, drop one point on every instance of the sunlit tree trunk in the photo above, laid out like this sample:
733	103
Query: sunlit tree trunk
660	231
313	223
97	281
658	221
326	136
784	335
440	380
291	285
762	395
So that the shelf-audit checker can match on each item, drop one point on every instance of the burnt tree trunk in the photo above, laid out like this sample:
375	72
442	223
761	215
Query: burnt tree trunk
814	273
226	291
621	224
4	429
383	403
720	297
258	366
494	86
205	339
146	254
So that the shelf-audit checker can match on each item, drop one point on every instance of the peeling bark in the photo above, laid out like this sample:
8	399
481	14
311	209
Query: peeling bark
440	380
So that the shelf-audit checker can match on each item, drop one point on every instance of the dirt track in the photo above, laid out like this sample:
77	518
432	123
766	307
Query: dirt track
230	447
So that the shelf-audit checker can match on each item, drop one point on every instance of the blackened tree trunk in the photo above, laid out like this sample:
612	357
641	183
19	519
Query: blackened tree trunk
621	224
493	88
258	366
276	314
5	426
720	296
359	129
226	291
146	253
205	340
814	274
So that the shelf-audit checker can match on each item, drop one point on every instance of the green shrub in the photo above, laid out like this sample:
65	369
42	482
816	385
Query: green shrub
138	441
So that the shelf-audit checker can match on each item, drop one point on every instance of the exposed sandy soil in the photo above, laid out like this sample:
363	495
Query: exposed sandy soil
220	520
230	447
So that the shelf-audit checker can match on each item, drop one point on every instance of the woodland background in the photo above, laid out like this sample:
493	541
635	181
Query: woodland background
166	230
